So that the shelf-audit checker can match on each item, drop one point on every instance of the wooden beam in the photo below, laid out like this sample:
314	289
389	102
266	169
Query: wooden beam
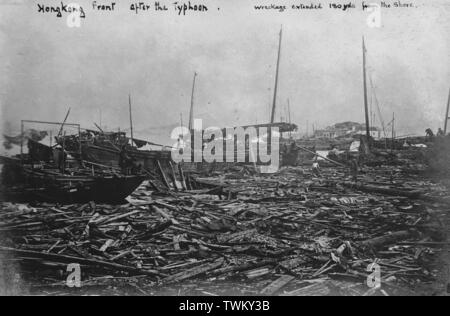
183	179
162	174
173	176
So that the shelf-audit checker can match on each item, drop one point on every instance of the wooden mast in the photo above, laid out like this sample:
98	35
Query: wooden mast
191	113
64	122
272	118
100	123
289	116
393	131
366	106
181	128
131	120
446	114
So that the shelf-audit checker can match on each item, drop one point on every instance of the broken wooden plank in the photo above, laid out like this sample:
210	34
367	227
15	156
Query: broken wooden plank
162	174
277	285
193	272
72	259
387	239
173	176
182	177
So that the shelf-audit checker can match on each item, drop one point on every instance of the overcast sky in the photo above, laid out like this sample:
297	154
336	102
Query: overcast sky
47	67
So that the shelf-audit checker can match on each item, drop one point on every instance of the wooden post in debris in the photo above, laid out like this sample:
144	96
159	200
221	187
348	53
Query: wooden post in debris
162	174
152	184
173	176
183	179
188	183
446	114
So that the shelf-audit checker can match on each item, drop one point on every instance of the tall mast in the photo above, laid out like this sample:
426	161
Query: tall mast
289	116
272	118
446	114
131	120
289	111
393	130
100	123
191	113
180	136
366	106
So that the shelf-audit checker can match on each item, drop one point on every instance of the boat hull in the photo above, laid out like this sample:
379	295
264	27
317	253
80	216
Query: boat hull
20	183
110	156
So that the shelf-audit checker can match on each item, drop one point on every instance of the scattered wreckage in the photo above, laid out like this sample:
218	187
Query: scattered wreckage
288	233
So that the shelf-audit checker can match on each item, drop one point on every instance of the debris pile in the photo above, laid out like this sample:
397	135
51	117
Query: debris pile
288	233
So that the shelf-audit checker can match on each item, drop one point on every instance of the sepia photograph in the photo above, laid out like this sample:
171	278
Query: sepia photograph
228	155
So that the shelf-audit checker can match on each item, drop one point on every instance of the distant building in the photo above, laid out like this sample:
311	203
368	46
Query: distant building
346	129
375	132
325	133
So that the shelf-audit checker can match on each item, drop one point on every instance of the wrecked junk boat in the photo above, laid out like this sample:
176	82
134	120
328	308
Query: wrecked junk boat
26	180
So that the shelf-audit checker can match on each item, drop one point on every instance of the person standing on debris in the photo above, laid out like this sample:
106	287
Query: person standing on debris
59	157
124	160
333	153
316	167
429	134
